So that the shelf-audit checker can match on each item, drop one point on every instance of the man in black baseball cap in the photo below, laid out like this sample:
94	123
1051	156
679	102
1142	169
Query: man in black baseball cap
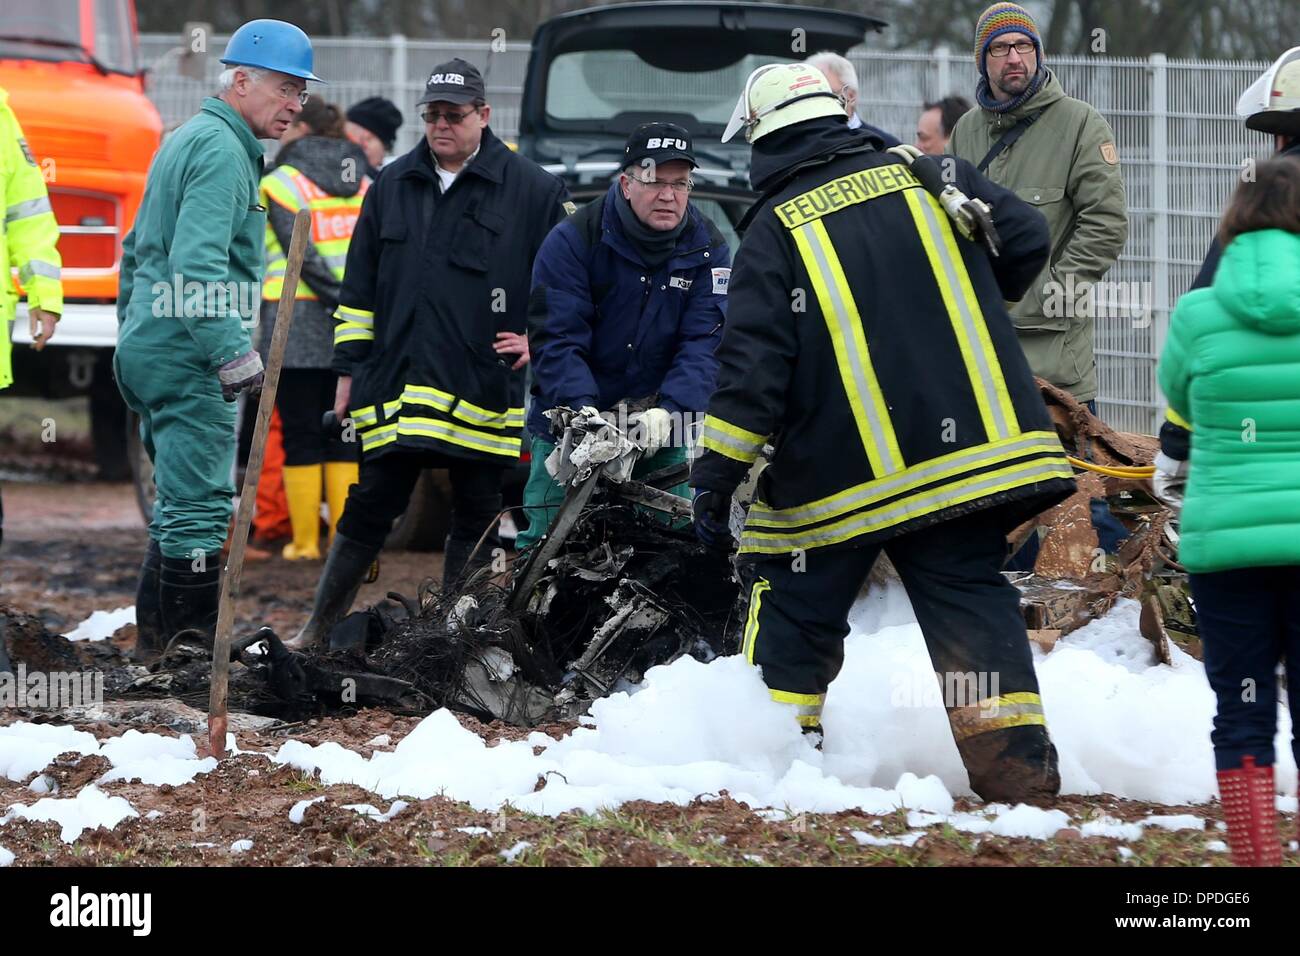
628	301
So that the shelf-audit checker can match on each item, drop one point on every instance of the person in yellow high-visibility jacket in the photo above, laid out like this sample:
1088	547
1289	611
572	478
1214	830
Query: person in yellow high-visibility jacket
29	239
321	171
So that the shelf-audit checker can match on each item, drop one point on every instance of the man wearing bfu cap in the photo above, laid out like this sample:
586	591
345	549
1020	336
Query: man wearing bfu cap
429	344
628	302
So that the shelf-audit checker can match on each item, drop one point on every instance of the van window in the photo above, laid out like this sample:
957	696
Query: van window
601	84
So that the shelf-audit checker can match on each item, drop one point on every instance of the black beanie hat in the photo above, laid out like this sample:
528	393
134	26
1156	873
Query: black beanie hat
379	116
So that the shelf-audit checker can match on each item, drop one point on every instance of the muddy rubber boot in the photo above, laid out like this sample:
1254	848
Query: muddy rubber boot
340	580
1250	810
1014	765
149	639
189	598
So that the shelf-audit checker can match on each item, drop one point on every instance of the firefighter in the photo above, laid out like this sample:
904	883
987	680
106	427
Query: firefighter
867	341
190	278
28	243
430	343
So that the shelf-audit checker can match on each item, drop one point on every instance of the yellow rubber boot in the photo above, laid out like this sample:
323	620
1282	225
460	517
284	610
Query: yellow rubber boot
302	485
339	477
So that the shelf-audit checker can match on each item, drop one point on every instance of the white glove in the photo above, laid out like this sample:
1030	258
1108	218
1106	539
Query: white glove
654	429
1170	481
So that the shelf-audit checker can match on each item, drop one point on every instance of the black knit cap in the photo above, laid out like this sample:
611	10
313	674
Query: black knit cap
379	116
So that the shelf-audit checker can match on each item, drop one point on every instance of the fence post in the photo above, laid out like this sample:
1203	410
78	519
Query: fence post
1160	221
943	56
398	77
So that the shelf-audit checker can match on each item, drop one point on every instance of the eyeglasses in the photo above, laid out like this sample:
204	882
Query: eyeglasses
657	185
453	119
999	50
288	92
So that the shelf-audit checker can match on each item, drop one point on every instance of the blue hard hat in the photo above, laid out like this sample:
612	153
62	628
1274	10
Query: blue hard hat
271	45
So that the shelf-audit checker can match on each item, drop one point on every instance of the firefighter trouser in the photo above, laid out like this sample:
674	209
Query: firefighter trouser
970	617
384	490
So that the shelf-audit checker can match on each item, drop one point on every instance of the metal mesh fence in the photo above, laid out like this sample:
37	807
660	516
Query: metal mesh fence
1181	144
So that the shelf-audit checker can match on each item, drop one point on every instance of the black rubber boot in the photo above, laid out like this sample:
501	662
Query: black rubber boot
5	666
189	598
1013	765
340	580
149	640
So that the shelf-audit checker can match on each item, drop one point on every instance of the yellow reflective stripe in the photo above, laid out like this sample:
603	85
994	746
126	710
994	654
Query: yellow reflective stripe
38	267
426	395
808	707
1024	709
731	440
966	316
355	315
510	418
859	187
362	417
1177	419
851	499
458	435
28	208
344	333
916	506
761	587
282	191
851	355
378	436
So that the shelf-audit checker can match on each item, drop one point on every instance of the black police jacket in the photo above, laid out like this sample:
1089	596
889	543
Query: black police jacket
430	280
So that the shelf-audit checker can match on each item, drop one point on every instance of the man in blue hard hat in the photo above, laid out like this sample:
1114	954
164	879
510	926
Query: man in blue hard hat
191	270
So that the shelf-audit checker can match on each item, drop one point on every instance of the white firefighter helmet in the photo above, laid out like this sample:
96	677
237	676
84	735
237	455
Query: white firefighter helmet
779	95
1272	104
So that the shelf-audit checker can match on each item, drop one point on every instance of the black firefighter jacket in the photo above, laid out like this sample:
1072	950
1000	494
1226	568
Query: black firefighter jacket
430	279
867	340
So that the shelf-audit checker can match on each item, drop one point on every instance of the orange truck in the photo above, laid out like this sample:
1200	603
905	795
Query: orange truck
75	81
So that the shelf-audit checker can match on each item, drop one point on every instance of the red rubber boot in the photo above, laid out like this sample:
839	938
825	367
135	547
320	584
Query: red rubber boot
1250	810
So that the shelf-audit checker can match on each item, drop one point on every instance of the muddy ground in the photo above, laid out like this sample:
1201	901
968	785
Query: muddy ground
72	546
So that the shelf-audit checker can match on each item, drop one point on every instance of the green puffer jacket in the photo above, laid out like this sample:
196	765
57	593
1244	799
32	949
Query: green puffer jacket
1067	167
1231	367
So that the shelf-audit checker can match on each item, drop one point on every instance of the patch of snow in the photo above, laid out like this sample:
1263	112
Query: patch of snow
153	815
44	784
241	846
90	808
6	858
1184	821
474	831
102	624
299	808
1032	822
383	740
1108	826
154	759
1126	854
510	854
1218	846
26	748
869	839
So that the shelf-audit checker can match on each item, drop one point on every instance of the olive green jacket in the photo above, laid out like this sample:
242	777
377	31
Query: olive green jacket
1067	166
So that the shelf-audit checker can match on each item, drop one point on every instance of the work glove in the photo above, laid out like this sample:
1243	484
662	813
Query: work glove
1170	481
711	514
654	429
242	373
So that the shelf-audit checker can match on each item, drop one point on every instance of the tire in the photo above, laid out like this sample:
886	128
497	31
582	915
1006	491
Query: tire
141	467
427	520
108	422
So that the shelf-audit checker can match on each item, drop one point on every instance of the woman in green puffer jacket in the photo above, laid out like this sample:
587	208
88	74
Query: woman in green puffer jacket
1231	367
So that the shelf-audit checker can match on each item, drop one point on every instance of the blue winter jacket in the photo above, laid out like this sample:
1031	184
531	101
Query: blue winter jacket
602	328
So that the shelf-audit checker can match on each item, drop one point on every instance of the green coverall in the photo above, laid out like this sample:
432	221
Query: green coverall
188	295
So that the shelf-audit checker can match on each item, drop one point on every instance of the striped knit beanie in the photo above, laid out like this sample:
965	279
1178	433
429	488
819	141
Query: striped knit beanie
1004	18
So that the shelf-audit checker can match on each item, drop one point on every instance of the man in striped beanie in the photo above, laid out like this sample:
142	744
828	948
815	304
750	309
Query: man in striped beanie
1059	154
